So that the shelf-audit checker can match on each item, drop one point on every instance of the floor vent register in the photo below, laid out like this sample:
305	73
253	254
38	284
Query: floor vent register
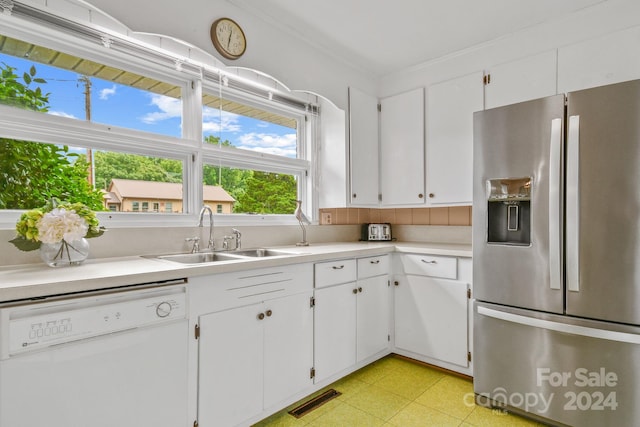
314	403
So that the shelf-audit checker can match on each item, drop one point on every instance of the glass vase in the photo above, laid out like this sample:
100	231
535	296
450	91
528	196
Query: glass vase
64	253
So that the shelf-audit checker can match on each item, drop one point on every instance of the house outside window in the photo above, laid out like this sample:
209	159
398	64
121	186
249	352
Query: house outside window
135	206
218	208
168	206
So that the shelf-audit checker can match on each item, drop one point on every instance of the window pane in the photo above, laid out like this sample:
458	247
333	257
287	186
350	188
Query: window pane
248	127
249	191
32	172
43	79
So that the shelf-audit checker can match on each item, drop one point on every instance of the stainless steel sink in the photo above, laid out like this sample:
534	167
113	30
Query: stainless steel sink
197	258
261	252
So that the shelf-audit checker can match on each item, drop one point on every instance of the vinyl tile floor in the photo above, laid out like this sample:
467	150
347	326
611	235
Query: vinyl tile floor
395	391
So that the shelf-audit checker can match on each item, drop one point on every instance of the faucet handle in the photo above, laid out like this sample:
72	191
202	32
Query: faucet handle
238	235
196	244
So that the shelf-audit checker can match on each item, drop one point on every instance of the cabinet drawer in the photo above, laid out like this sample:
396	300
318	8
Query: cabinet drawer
373	266
428	265
224	291
335	272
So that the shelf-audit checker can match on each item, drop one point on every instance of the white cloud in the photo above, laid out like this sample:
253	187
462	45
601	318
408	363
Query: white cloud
107	92
169	108
282	145
214	122
61	114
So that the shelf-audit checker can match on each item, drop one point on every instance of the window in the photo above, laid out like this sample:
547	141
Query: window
118	125
81	89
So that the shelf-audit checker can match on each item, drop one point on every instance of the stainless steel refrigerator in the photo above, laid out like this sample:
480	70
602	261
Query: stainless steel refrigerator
556	257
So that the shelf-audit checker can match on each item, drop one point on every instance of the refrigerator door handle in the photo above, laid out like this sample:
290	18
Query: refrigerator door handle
565	328
555	214
573	205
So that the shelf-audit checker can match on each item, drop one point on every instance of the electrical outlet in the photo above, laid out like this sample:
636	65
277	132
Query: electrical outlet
326	218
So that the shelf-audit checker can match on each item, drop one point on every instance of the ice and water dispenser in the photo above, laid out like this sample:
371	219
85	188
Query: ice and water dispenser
509	211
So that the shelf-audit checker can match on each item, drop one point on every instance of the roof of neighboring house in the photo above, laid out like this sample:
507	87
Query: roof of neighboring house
130	188
111	197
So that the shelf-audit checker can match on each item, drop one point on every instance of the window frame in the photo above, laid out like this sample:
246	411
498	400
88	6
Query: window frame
131	55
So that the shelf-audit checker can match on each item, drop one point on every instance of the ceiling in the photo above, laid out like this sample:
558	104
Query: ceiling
382	37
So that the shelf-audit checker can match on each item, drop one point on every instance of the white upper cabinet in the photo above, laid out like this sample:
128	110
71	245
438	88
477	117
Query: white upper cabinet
449	147
364	149
529	78
610	59
402	140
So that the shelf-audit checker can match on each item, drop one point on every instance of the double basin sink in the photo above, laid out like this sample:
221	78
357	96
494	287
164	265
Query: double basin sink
212	257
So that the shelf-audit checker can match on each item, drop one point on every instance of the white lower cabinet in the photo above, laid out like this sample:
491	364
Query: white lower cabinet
431	318
254	354
372	320
335	330
352	318
431	307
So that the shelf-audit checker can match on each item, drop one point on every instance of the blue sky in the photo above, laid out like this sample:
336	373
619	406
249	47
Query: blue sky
128	107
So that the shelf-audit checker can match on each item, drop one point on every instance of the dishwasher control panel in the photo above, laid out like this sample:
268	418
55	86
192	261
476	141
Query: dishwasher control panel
41	325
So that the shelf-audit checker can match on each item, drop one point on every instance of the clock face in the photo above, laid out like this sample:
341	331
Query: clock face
228	38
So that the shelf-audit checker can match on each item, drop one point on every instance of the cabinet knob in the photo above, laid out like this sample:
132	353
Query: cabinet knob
355	195
360	289
420	196
396	283
355	291
431	195
269	313
260	316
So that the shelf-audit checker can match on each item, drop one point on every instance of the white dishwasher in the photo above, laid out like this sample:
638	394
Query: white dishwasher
105	360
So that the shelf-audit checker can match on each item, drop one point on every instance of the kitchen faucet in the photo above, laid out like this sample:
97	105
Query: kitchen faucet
211	246
302	219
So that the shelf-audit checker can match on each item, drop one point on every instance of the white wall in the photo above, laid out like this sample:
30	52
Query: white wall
269	49
601	19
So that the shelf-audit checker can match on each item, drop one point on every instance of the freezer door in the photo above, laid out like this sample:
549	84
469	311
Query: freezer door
514	144
603	203
581	373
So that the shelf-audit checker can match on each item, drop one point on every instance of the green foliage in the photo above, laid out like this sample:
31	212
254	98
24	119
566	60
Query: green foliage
268	193
31	172
109	165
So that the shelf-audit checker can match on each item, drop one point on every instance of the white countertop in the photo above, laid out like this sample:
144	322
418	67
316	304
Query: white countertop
19	282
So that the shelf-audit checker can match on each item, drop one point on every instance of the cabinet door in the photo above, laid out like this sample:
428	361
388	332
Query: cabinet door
402	149
288	347
230	366
372	317
364	148
613	58
450	108
335	329
530	78
431	318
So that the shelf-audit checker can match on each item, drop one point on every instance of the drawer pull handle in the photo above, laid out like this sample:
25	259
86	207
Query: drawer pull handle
338	267
375	262
429	262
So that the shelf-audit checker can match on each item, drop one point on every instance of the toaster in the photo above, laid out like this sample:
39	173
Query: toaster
376	231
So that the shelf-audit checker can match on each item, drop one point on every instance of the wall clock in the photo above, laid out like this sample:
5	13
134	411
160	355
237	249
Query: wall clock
228	38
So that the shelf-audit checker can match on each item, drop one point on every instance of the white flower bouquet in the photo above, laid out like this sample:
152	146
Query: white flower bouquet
56	222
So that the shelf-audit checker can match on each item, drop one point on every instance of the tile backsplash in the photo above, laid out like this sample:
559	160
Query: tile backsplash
457	215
